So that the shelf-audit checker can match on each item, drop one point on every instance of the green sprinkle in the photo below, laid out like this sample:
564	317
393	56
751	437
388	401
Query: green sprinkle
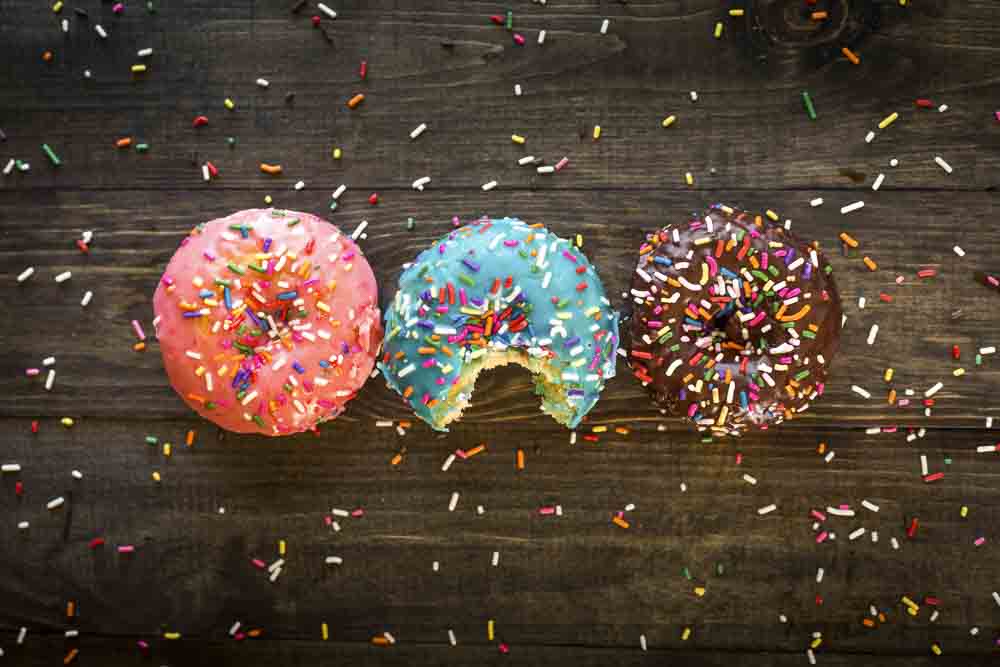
235	269
773	270
802	375
760	275
423	269
52	155
152	440
687	573
257	420
979	360
231	141
410	224
243	348
293	222
675	347
141	148
720	569
808	333
210	405
333	205
223	283
510	20
807	101
947	460
466	280
258	269
828	269
562	303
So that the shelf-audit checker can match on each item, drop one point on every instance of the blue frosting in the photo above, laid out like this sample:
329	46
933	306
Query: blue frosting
494	286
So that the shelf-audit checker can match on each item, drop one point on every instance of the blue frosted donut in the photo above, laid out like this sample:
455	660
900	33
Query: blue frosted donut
496	292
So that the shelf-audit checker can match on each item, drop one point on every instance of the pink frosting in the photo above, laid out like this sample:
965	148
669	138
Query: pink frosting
313	364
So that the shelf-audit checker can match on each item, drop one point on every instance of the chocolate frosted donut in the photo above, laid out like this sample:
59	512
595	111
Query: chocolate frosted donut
735	320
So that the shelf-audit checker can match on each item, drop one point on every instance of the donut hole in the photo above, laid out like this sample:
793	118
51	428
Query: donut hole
546	379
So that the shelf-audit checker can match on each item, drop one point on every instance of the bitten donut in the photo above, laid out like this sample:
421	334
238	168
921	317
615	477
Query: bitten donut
496	292
735	321
268	321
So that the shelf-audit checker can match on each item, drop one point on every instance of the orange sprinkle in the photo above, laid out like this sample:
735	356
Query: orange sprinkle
197	398
380	641
621	430
868	623
355	101
870	263
475	450
620	522
818	16
822	448
124	142
892	397
397	459
851	55
848	239
139	347
793	318
189	440
256	632
70	609
71	656
47	56
270	168
520	459
427	350
406	423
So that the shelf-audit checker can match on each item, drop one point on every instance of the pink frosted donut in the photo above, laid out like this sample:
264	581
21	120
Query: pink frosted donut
268	321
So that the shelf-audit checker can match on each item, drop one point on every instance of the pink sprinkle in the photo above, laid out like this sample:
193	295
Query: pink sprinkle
258	563
32	371
519	39
822	537
568	256
739	458
816	514
143	644
693	408
903	402
118	8
562	163
209	256
126	549
137	328
844	506
546	510
934	477
239	636
980	541
358	513
461	296
504	648
328	520
460	453
455	221
510	243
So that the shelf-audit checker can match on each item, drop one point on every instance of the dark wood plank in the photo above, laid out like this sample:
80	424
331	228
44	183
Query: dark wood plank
574	580
748	125
136	234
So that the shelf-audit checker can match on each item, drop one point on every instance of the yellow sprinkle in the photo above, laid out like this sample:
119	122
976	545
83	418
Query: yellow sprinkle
718	30
171	635
888	120
685	634
579	240
771	214
325	629
964	512
688	178
281	547
337	153
267	199
599	429
911	611
489	629
156	476
699	591
736	12
138	69
57	7
229	104
870	263
910	603
597	132
518	139
816	642
936	649
166	449
888	375
668	121
66	421
958	372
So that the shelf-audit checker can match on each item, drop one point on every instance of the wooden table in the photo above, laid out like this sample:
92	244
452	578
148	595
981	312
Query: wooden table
570	590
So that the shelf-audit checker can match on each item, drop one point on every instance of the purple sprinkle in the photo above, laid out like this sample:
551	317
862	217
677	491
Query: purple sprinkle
470	264
572	341
298	367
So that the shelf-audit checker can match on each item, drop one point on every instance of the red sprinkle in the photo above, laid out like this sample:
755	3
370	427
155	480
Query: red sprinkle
373	198
497	19
82	246
19	488
212	169
885	297
932	601
924	103
934	477
363	69
912	530
34	426
200	120
316	21
956	353
96	542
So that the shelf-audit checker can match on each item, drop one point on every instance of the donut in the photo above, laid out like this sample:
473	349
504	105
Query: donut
734	322
268	321
496	292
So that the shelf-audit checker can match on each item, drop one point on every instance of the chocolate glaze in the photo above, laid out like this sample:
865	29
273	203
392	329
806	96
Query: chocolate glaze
774	341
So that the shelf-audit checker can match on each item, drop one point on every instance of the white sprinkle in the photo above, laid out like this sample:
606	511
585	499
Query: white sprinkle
986	449
418	130
829	456
299	185
392	640
863	393
50	379
989	422
872	333
453	503
340	512
870	137
642	642
974	631
816	202
878	182
361	228
767	509
85	301
811	655
987	350
480	510
339	191
10	467
234	628
893	162
77	474
819	575
27	273
326	10
23	525
942	108
517	89
101	31
782	618
868	505
861	302
546	169
451	638
65	25
684	487
263	83
489	186
64	276
206	175
850	208
749	479
923	465
856	534
604	26
275	574
694	95
496	558
334	560
996	598
435	566
541	36
527	159
55	503
836	511
421	182
144	53
958	251
447	463
934	616
21	634
944	165
933	390
249	397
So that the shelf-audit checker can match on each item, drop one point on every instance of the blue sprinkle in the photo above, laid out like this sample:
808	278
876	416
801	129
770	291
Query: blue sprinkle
743	400
323	363
227	297
288	296
662	260
727	273
192	314
206	293
298	367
